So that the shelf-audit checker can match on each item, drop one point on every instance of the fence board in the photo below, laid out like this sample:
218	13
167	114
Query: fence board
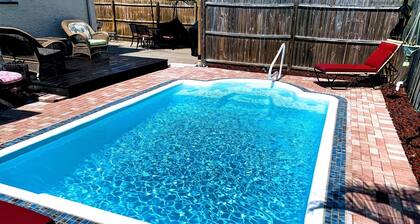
140	11
413	82
413	77
232	39
327	31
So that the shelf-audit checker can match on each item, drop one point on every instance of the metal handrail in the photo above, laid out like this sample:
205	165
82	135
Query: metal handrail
277	75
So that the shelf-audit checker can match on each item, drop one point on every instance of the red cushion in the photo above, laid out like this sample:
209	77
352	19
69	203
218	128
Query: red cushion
13	214
381	55
388	46
344	68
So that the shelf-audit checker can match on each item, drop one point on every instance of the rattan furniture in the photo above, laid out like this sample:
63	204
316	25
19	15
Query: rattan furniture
59	43
84	39
18	45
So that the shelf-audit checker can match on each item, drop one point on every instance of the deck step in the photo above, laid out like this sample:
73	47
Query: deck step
84	76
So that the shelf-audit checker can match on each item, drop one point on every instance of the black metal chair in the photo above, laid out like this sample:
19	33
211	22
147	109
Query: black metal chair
146	37
141	34
134	33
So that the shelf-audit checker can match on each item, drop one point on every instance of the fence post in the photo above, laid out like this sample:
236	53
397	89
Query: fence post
114	21
290	58
157	12
203	32
152	14
195	12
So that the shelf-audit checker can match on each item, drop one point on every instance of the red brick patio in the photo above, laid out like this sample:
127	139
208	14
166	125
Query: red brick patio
375	157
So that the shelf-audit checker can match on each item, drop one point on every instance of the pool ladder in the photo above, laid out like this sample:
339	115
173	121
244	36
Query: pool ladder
277	74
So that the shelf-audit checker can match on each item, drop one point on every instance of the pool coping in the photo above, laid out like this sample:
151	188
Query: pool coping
335	205
316	211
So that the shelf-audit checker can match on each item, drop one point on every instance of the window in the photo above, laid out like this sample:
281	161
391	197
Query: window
12	2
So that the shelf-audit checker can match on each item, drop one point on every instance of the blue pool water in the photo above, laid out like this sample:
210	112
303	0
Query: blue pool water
226	153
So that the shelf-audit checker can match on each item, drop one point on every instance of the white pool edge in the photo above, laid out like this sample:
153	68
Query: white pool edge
317	198
318	195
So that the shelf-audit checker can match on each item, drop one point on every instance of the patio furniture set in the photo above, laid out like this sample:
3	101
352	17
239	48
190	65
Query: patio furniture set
141	34
169	34
24	58
45	56
28	59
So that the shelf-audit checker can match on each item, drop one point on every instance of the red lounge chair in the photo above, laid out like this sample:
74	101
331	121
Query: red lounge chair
13	214
377	62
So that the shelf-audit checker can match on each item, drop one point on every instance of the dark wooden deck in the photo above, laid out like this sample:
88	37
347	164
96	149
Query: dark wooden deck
83	75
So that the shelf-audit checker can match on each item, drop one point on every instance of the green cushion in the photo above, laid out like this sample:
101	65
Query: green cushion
95	42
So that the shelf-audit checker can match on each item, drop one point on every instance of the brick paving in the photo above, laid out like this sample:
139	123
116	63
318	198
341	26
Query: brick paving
380	186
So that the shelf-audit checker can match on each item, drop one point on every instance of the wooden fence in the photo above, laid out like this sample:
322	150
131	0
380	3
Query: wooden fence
413	76
117	14
413	82
249	32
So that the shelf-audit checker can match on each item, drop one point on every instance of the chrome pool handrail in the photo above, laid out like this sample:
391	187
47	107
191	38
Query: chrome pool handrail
277	74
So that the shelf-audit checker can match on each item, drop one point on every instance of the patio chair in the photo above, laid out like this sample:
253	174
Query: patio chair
377	62
141	34
8	81
84	39
17	45
134	34
146	36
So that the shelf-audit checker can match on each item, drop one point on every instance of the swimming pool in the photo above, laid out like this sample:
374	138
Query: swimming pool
228	150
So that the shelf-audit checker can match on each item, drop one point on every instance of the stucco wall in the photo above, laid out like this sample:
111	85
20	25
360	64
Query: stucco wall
43	17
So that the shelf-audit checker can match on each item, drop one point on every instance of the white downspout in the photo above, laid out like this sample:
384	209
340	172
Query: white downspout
398	85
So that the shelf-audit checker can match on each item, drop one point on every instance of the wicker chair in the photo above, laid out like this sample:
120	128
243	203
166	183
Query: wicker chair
84	39
13	83
17	45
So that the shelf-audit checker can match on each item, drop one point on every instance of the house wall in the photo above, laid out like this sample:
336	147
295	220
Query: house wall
42	18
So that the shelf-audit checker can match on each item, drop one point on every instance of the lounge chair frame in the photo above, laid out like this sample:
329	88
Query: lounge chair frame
387	68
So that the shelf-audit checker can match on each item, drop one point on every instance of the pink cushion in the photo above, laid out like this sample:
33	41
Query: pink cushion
344	68
381	55
9	77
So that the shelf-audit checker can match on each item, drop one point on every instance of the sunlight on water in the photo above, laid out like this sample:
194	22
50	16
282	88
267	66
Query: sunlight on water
225	153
